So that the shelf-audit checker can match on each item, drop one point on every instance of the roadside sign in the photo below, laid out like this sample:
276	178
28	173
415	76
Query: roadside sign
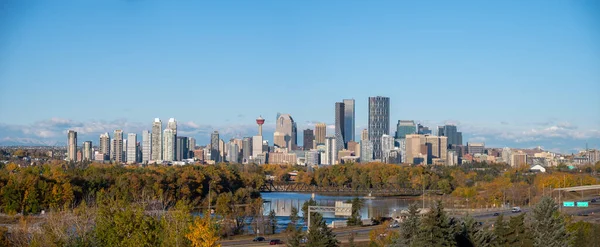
582	204
568	204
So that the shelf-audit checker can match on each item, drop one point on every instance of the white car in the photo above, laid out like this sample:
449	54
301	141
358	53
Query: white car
516	210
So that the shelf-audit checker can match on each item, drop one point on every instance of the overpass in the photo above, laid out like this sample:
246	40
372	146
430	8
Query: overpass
579	188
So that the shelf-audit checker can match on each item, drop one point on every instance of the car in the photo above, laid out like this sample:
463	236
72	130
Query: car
496	214
275	242
582	214
258	239
594	200
516	210
394	225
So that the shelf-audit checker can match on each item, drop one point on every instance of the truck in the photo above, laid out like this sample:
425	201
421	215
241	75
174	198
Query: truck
516	210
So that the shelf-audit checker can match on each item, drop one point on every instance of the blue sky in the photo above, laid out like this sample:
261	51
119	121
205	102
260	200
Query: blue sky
509	73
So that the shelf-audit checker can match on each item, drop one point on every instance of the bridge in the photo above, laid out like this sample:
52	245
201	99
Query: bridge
388	189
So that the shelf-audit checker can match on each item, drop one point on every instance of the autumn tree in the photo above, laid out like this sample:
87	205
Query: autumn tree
203	232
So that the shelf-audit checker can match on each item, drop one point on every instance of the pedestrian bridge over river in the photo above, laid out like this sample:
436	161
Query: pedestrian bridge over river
386	190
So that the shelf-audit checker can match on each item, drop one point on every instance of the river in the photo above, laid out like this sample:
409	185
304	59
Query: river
282	203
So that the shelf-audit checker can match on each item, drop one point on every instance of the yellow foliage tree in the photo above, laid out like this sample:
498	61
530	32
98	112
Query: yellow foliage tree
203	232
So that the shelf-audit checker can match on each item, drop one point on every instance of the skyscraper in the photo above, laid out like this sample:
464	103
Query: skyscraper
454	137
214	146
72	145
423	130
257	146
366	152
105	145
405	127
330	152
246	149
349	120
192	143
168	145
117	150
181	148
87	150
131	148
285	127
308	139
413	148
234	150
157	140
146	146
379	122
172	124
320	133
339	126
387	144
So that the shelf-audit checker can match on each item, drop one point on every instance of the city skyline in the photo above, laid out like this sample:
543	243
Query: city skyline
516	77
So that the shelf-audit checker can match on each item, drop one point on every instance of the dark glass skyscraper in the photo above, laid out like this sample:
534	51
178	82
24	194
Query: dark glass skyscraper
349	116
379	122
214	146
308	139
182	148
454	137
405	127
339	126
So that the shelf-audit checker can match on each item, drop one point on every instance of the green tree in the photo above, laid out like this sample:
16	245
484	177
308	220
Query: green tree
354	219
305	206
175	224
548	226
518	234
319	235
124	224
272	221
501	231
293	219
436	229
410	227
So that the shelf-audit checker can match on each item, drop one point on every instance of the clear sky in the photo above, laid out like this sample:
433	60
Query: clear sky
516	73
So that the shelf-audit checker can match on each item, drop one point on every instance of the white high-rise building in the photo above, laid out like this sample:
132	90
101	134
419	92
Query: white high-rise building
146	146
72	145
105	145
169	145
257	146
157	140
387	144
192	144
131	148
330	152
118	147
87	150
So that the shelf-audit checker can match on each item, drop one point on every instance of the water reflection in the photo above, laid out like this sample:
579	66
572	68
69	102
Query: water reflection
282	204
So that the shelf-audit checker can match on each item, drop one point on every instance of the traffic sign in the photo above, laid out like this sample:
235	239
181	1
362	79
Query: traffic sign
582	204
568	204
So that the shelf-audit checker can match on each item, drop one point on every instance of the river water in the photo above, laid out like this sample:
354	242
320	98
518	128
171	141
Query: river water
282	203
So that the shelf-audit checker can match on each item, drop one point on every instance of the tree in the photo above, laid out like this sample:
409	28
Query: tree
436	228
293	219
273	221
203	232
176	225
410	227
548	226
518	234
305	206
319	235
501	231
472	234
354	219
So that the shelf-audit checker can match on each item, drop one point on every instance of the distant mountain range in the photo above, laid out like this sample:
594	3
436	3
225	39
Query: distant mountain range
9	141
